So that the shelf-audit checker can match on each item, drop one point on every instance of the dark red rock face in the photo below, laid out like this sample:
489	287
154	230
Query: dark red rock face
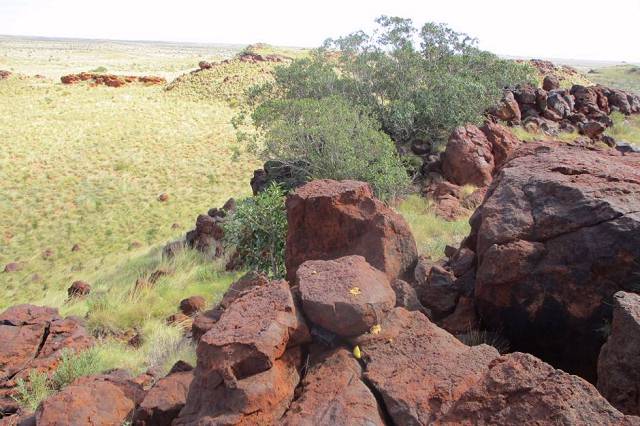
557	235
520	389
468	158
91	400
619	361
34	338
330	219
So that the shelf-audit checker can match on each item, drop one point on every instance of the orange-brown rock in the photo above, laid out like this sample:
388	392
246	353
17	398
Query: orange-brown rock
521	389
419	369
91	401
165	399
346	296
192	305
79	289
110	79
259	399
332	393
502	141
330	219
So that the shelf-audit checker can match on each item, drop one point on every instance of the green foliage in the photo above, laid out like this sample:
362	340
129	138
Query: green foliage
31	392
330	139
100	69
416	83
257	231
74	365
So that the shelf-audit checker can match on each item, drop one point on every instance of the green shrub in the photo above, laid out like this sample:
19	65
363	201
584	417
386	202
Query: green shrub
330	139
74	365
257	231
30	393
417	83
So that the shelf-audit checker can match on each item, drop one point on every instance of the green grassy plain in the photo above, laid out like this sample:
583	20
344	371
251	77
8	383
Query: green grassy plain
626	77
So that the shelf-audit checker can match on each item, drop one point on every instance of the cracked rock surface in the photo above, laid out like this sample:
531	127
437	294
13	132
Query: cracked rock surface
557	235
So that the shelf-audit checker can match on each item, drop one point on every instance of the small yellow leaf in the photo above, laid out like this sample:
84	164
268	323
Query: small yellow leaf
376	329
355	291
356	352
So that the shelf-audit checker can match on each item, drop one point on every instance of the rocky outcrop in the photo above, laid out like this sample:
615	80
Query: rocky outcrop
346	296
34	338
619	361
207	235
419	369
333	393
163	402
4	74
248	360
467	159
204	321
330	219
520	389
110	79
286	176
557	235
103	400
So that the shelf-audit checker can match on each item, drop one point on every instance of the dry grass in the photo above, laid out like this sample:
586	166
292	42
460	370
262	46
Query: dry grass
625	128
431	232
85	166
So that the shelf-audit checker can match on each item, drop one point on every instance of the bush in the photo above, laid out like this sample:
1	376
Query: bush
74	365
31	393
330	139
257	231
416	84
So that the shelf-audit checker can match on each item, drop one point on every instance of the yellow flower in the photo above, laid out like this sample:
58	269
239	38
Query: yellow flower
356	352
355	291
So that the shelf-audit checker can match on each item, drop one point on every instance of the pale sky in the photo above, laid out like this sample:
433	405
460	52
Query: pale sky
570	29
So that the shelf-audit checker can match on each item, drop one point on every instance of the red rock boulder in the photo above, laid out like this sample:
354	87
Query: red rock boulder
34	338
419	369
619	361
346	296
92	400
165	399
192	305
332	393
520	389
248	360
502	141
330	219
79	289
468	158
557	235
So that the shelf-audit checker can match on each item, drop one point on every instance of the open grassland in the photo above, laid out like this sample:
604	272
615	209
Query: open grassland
626	77
53	58
85	166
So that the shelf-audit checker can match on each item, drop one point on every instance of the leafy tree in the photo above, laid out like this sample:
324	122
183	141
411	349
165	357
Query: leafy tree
417	83
330	138
257	231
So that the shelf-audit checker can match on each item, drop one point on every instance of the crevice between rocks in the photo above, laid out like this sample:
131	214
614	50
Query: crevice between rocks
388	420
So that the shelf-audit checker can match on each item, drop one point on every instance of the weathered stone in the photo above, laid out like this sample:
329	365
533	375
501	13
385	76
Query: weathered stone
557	235
332	393
468	158
419	369
619	360
330	219
163	402
520	389
346	296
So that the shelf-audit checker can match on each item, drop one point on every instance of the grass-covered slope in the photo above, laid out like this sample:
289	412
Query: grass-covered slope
85	166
